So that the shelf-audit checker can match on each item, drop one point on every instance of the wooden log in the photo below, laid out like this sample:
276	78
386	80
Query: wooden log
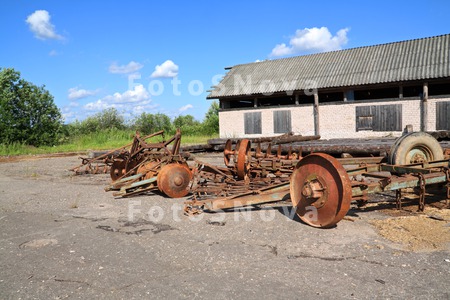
283	139
197	148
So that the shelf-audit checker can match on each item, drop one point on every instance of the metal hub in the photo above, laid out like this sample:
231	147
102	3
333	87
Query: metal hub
314	191
178	180
320	190
418	155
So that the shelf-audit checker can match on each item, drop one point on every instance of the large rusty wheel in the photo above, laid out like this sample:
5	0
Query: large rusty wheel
227	152
321	190
173	180
117	169
243	159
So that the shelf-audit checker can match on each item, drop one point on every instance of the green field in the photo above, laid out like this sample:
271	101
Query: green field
103	140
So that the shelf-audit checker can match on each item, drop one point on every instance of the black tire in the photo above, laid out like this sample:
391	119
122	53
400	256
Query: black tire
415	147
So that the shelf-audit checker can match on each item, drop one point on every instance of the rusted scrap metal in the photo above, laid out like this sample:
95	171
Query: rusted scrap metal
103	163
173	179
144	166
127	162
320	188
92	166
151	166
272	162
248	174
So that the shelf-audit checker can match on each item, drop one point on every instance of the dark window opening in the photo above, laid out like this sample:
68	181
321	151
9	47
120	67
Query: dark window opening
439	89
376	93
252	123
240	104
276	101
379	117
282	121
412	91
331	97
305	99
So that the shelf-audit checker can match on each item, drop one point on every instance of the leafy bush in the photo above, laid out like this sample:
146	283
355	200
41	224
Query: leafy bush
149	123
108	119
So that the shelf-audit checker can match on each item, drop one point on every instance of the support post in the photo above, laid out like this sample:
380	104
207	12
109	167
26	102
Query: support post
297	99
255	102
316	114
400	91
424	102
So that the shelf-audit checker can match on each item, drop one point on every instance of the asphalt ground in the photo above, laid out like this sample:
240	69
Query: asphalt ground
63	236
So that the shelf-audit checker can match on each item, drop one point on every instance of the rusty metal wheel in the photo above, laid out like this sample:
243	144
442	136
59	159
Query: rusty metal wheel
228	152
320	190
117	169
243	159
150	169
173	180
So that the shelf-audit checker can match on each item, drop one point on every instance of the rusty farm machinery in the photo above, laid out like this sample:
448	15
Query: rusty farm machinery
320	186
144	166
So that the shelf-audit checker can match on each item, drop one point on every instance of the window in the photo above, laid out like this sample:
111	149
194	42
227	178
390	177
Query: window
443	115
379	117
438	89
276	101
282	121
252	123
384	93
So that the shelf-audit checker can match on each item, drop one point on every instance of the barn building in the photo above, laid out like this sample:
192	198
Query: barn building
355	93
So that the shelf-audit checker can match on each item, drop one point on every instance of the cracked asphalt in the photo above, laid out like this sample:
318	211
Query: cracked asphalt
64	237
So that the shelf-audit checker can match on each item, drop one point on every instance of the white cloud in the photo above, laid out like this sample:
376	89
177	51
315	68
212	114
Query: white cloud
53	53
186	107
40	25
76	93
166	69
129	101
312	40
131	67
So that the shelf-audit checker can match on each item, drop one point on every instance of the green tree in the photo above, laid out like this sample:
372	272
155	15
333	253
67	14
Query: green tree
107	119
211	123
27	112
187	120
188	125
148	123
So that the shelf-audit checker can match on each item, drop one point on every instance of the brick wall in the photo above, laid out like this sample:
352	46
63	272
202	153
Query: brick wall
336	120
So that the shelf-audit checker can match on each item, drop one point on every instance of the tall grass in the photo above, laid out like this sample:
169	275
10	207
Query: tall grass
102	140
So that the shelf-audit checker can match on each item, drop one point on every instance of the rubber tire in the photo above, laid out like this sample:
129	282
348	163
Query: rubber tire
411	141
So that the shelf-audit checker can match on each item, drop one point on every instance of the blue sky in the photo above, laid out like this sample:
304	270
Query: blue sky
148	56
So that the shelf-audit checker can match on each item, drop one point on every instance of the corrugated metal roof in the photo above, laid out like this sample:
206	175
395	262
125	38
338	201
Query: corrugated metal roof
426	58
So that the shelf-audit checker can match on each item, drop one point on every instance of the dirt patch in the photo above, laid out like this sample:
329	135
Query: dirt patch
16	158
426	232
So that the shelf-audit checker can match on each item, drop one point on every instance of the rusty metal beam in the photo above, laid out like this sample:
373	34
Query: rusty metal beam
269	194
394	183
